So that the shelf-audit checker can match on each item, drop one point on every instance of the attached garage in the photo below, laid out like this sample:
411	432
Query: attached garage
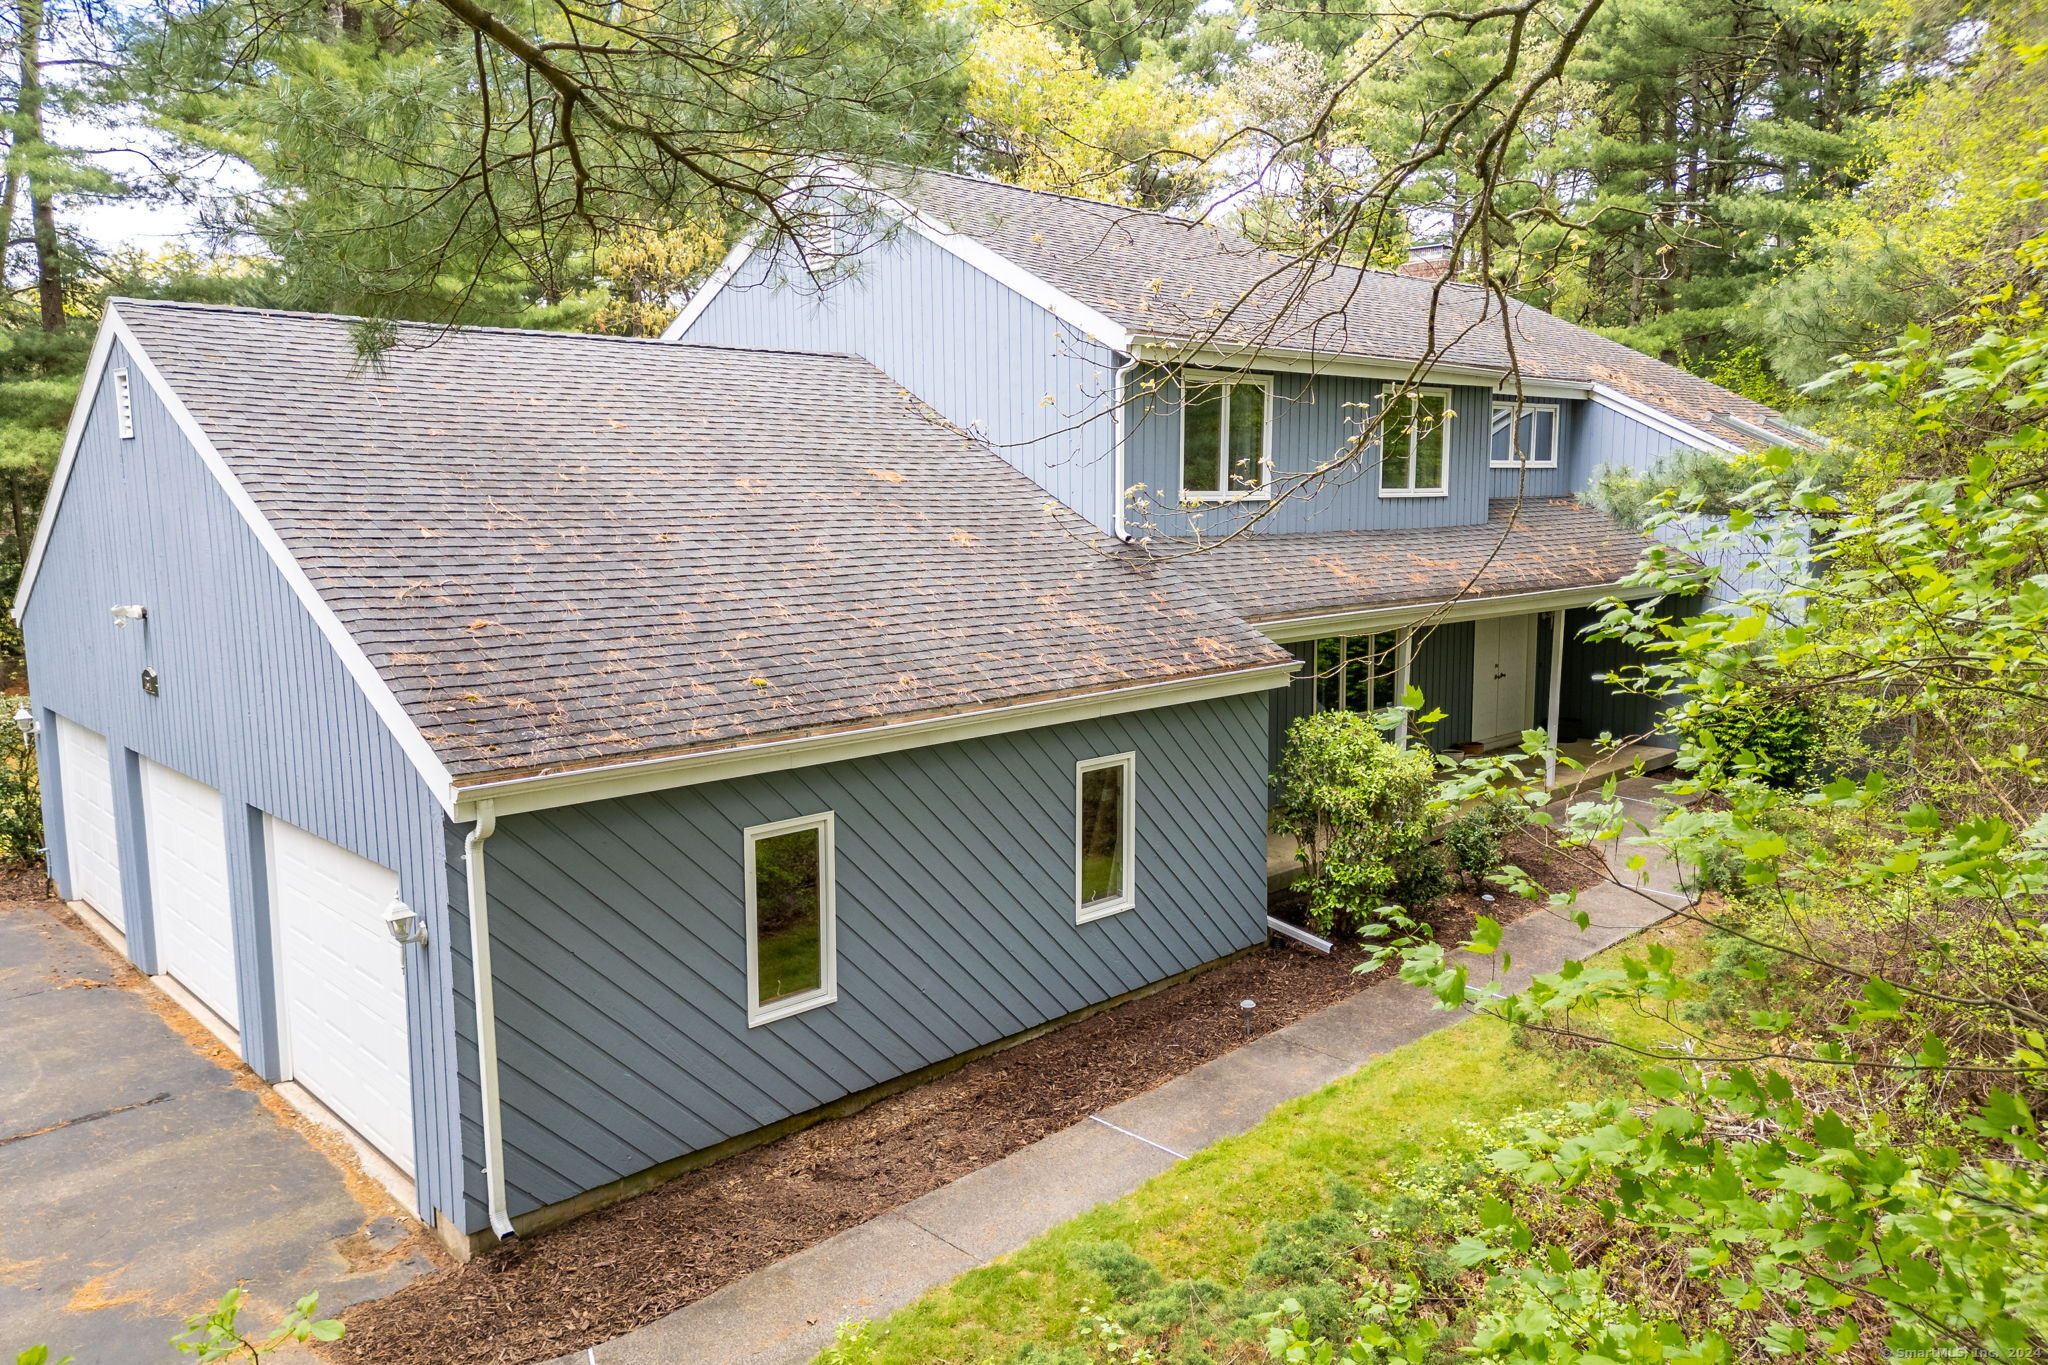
93	850
188	875
341	986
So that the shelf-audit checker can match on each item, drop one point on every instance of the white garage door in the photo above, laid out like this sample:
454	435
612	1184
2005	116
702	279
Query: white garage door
86	787
188	878
341	986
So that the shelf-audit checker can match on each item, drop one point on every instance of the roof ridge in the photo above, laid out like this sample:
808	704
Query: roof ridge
471	327
1060	194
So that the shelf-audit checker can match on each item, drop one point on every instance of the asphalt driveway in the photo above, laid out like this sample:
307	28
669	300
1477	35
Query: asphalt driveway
143	1171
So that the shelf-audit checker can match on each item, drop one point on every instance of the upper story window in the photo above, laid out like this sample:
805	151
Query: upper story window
1226	436
1414	448
792	956
1529	441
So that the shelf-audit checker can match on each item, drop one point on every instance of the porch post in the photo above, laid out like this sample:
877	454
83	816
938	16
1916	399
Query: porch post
1404	656
1556	693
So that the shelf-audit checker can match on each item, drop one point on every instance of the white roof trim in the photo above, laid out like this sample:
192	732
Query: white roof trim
1366	620
709	290
509	796
1290	360
1661	421
1093	323
379	693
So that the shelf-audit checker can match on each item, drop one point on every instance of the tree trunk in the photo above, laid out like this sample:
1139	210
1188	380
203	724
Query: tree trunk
42	212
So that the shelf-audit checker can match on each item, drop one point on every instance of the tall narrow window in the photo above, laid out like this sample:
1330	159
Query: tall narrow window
791	959
1530	440
1413	449
1105	789
1225	438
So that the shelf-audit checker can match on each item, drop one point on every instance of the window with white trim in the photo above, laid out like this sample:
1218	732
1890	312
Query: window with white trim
1361	672
1226	436
1105	810
1415	445
1529	441
792	958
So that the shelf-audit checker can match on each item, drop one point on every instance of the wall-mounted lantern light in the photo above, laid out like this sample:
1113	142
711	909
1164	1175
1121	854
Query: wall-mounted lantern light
123	615
405	925
25	721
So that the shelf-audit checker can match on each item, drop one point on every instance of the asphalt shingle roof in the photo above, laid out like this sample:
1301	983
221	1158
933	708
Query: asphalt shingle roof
1542	545
1173	279
565	550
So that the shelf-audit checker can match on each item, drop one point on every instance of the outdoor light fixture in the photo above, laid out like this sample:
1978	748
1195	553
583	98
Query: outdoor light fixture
123	615
25	721
405	925
1247	1006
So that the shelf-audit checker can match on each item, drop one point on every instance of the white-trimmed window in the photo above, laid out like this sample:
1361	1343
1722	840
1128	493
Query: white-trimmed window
1529	441
1226	436
1415	445
792	958
1105	827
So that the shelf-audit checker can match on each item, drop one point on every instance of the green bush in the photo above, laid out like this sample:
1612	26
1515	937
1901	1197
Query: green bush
1358	805
21	794
1757	736
1473	839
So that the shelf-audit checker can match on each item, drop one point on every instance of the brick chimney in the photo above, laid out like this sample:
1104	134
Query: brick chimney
1428	261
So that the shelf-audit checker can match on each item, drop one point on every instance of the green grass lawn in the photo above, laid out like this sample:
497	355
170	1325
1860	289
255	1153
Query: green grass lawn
1207	1215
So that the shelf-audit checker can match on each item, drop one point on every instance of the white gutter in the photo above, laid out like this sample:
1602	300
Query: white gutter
514	795
1116	436
1368	620
486	1016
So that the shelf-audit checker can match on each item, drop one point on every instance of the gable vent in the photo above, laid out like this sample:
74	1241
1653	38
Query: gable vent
124	405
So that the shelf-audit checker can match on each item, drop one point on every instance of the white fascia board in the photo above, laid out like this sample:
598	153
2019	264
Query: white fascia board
546	791
710	289
1661	421
1091	322
358	664
1368	620
1287	360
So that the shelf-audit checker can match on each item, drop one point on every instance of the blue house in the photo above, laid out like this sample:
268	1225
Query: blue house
558	760
1376	469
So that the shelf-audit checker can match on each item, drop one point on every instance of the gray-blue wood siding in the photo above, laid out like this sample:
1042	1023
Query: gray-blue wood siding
1314	418
254	702
618	932
981	354
1441	666
1607	437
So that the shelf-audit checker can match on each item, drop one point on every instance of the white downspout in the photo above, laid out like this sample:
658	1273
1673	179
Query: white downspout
1556	691
1116	430
486	1015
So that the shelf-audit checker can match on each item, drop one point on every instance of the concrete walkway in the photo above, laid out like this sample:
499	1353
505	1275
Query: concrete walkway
788	1312
142	1173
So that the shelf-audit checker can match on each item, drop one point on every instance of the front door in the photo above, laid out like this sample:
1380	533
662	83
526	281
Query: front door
1503	679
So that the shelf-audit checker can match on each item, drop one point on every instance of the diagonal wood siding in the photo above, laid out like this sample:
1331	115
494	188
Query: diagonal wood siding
619	934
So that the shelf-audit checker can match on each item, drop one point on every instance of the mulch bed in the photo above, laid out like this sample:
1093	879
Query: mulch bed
611	1271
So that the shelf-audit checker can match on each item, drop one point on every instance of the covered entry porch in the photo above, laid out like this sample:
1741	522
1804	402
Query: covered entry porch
1494	667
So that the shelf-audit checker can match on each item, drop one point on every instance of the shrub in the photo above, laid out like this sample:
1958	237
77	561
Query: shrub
1358	804
21	794
1473	839
1755	735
